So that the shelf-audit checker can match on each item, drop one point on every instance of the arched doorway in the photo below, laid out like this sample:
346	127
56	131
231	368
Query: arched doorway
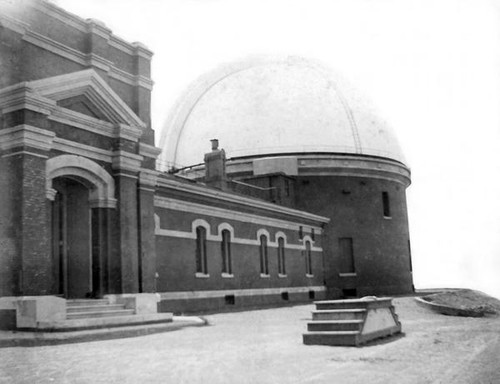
82	195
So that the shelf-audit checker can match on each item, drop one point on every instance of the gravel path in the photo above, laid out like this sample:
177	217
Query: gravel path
265	346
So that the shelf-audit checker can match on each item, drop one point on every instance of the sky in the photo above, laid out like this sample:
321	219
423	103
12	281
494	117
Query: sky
432	68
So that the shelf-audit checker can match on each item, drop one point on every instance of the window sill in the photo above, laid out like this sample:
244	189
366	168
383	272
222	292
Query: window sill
388	217
281	275
309	275
265	276
201	275
227	275
348	274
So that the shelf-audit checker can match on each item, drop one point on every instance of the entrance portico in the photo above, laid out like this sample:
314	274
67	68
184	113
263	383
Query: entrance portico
82	195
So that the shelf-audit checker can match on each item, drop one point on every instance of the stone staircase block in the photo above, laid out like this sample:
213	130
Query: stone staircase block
351	322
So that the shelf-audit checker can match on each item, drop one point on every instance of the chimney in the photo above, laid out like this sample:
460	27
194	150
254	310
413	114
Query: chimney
215	167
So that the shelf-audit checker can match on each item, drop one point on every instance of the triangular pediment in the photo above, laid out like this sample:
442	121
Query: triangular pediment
83	105
87	93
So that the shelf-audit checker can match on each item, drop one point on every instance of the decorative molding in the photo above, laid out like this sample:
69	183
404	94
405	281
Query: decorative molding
72	147
26	136
148	177
218	237
127	132
185	295
89	25
23	96
100	182
90	84
89	59
126	161
242	200
150	151
185	206
51	194
23	152
41	96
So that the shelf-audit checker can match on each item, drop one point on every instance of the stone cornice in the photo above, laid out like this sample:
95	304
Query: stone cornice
89	25
148	178
332	165
22	96
26	136
74	148
196	189
149	151
90	59
126	161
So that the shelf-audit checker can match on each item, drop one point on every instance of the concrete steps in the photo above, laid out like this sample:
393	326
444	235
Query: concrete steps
335	325
339	314
89	309
89	314
351	322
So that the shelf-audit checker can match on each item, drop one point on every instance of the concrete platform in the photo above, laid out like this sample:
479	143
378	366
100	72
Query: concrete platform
67	336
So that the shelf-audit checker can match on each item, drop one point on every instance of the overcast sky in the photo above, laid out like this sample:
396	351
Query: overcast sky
432	67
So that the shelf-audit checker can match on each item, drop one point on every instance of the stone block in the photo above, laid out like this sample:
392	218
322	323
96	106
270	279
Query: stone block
141	303
33	310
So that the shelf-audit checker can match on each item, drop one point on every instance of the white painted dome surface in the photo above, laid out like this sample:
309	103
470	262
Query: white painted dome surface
265	107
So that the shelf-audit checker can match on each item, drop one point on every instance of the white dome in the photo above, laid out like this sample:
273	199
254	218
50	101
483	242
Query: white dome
265	107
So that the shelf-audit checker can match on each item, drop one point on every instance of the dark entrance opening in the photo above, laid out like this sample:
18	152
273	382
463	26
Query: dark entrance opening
72	239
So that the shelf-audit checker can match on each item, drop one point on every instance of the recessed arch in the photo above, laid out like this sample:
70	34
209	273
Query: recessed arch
91	174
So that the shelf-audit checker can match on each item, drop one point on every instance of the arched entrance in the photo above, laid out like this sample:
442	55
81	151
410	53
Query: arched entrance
82	195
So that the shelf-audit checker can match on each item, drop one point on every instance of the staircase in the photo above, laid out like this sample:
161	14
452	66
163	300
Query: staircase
351	322
82	314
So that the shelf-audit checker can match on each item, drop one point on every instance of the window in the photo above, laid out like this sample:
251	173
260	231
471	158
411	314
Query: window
308	259
264	262
281	256
226	252
346	255
201	250
386	204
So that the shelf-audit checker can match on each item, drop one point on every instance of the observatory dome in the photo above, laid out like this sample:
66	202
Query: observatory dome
261	107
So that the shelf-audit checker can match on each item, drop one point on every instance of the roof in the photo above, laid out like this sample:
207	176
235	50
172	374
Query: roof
274	106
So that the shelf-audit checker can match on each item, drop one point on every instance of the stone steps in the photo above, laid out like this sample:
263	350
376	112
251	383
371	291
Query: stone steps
104	322
89	309
335	325
351	322
344	338
339	314
94	308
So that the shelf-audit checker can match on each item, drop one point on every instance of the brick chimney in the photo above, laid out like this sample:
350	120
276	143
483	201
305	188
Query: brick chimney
215	167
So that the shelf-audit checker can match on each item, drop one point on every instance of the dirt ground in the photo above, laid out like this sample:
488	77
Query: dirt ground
265	346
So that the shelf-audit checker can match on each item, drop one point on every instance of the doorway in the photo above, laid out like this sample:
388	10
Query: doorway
72	238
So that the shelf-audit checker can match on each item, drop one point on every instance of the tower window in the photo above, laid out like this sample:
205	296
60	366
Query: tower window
281	256
346	255
226	252
264	262
201	250
386	204
308	258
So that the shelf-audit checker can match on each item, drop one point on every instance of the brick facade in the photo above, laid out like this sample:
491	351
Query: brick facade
84	212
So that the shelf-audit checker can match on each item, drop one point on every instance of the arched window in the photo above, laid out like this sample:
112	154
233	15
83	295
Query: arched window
308	258
281	256
264	263
226	252
201	250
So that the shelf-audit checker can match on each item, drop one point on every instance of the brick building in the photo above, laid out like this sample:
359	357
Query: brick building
84	211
